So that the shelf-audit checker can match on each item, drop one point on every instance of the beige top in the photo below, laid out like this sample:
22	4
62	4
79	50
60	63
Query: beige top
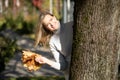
61	46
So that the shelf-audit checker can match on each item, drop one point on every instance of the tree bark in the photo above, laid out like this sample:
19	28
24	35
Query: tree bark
95	40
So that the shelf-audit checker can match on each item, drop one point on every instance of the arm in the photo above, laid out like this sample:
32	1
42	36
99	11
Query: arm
44	60
59	58
59	63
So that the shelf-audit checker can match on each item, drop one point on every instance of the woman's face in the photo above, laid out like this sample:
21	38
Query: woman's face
51	23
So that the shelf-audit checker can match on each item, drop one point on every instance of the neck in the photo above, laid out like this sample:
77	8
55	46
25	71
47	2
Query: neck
57	30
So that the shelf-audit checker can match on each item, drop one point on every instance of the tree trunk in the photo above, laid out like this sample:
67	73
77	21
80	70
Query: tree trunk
95	41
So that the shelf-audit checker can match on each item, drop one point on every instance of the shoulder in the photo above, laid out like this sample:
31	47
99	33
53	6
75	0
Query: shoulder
69	23
67	26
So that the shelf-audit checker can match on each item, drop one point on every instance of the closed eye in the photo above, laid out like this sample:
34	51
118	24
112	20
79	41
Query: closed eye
49	24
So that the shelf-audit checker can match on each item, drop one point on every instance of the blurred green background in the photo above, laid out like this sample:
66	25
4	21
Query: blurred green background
21	17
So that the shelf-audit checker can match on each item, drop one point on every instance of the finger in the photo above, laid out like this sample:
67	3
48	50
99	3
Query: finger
41	62
37	59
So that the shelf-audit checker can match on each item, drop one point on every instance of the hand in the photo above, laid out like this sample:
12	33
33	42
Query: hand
40	59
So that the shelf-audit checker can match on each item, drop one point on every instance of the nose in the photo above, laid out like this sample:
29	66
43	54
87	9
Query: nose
52	23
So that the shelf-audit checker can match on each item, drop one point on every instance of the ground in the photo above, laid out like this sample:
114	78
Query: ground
14	68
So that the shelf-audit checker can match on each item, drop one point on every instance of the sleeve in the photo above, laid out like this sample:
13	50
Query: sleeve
60	62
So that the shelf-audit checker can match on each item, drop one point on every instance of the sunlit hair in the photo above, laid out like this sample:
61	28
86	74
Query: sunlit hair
42	35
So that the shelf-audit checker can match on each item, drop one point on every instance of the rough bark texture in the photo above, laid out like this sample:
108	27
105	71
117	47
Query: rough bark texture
96	37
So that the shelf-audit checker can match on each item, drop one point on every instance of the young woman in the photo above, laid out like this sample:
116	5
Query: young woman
59	37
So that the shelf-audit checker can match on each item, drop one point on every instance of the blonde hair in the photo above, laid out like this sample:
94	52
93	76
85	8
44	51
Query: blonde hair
42	35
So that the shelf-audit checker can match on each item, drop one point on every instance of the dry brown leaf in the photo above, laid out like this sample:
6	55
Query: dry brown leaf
28	60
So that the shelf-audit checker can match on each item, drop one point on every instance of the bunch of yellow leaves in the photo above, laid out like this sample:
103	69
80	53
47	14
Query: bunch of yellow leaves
28	59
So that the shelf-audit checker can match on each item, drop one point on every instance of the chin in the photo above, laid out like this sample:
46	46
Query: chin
54	30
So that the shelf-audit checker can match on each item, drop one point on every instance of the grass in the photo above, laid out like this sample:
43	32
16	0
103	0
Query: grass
37	78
